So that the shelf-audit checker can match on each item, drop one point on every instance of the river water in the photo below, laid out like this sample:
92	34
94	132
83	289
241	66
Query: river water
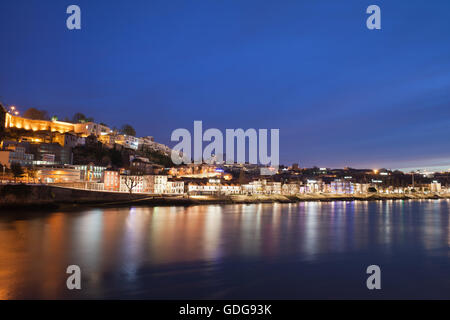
257	251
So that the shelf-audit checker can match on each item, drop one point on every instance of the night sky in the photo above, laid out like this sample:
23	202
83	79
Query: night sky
341	95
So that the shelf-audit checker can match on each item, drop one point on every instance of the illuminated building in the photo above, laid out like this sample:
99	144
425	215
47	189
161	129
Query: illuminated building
212	187
90	172
341	186
175	187
62	155
203	188
228	188
58	174
135	183
16	154
273	187
129	142
48	158
108	140
254	187
12	121
88	128
68	140
314	186
156	184
196	171
9	120
290	188
111	180
435	186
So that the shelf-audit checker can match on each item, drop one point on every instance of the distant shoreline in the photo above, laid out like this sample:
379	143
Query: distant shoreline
39	197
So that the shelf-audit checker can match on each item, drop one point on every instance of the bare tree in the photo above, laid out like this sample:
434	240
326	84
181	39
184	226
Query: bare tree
131	182
128	130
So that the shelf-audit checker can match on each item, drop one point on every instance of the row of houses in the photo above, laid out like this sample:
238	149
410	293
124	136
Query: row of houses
155	184
265	187
123	181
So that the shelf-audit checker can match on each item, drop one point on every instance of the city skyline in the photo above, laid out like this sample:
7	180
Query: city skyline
221	158
341	95
77	130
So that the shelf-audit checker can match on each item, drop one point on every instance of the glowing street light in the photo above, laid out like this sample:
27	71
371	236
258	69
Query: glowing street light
13	110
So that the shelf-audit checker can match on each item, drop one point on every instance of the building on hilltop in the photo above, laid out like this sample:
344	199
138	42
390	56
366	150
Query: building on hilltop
127	141
88	128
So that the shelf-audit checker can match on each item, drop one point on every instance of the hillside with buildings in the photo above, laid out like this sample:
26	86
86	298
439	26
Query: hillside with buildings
90	156
43	144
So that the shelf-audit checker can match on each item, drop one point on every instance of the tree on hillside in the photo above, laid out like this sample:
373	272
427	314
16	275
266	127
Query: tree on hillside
128	130
35	114
17	171
81	118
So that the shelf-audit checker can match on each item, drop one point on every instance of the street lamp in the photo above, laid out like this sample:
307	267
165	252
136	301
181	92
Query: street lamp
13	110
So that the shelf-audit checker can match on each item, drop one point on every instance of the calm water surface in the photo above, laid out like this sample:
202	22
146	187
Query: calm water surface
305	250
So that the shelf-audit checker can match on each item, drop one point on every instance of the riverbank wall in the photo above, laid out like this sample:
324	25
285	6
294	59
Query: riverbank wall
48	196
36	196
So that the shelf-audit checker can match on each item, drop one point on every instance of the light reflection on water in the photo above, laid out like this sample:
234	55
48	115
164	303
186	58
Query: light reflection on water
304	250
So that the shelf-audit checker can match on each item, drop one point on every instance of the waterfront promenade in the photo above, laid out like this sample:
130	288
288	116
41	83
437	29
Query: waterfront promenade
35	196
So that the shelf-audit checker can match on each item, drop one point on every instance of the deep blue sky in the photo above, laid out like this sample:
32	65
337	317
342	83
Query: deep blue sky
340	94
